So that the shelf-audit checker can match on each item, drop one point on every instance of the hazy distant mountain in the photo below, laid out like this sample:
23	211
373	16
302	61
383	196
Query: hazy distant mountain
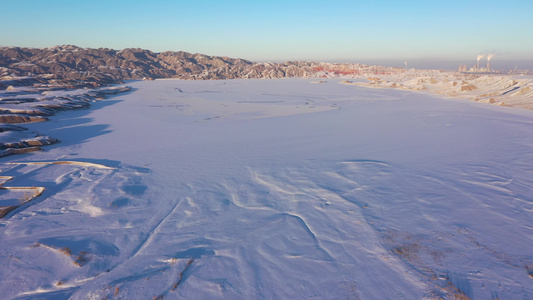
102	66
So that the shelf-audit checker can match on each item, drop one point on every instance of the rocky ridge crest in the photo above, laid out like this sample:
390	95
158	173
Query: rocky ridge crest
70	64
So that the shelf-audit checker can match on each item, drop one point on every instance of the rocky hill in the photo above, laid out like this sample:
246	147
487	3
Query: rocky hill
71	64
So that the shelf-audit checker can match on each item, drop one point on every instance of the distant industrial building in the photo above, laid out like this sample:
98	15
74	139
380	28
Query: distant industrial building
475	68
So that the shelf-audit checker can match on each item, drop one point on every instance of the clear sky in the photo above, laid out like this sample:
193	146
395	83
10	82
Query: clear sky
279	30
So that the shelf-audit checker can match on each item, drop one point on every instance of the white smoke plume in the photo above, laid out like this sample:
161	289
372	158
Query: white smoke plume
490	56
480	56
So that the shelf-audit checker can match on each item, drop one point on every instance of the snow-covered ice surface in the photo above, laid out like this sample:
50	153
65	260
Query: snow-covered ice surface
273	189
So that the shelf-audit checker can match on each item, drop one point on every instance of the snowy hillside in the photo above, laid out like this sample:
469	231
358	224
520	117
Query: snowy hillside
272	189
85	66
510	90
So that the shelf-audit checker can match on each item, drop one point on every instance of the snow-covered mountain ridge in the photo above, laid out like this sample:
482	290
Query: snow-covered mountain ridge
103	65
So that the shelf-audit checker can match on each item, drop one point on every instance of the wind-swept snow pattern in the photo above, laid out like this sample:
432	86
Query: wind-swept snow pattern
273	189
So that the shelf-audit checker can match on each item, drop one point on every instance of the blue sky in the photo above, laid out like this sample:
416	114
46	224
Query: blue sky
279	30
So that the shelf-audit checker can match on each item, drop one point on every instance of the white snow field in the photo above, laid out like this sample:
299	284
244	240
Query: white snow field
272	189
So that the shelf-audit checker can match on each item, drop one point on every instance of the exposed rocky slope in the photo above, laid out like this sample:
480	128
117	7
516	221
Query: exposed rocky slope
84	66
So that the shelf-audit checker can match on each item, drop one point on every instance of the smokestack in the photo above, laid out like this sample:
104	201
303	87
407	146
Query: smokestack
489	57
479	57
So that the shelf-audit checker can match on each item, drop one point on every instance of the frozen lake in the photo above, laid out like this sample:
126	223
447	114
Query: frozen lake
274	189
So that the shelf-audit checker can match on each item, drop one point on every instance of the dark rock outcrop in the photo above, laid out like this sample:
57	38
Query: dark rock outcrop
16	118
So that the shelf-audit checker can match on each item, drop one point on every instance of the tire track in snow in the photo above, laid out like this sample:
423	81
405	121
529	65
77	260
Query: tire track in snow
153	232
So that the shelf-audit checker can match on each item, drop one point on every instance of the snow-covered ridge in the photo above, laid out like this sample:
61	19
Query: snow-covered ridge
28	104
515	91
104	65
